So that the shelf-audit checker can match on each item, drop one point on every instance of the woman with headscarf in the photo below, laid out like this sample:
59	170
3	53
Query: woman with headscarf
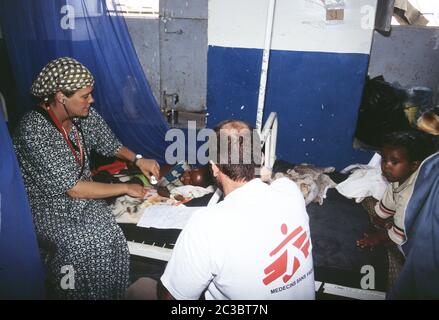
86	252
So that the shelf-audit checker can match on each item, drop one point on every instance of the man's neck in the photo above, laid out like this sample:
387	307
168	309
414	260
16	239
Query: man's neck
231	185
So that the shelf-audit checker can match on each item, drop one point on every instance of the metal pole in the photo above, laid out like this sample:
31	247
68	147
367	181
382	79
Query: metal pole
265	62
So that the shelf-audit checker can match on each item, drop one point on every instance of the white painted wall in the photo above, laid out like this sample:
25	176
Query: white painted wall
299	25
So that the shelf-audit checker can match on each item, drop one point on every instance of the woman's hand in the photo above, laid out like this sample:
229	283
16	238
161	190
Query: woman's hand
135	190
149	167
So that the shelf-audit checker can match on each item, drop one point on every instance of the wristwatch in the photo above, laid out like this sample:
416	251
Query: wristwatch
138	157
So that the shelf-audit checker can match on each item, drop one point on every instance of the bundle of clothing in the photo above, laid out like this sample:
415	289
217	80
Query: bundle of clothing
312	181
364	181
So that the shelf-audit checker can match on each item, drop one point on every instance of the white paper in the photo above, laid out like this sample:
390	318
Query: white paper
166	216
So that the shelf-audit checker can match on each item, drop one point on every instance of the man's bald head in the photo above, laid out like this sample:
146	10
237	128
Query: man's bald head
238	150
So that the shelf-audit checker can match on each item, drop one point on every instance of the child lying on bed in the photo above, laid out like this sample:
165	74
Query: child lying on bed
198	177
402	154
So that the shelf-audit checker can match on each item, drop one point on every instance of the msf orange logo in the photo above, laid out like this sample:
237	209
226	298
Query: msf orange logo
279	267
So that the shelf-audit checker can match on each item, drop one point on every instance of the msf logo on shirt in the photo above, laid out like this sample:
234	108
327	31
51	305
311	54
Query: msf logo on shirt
285	266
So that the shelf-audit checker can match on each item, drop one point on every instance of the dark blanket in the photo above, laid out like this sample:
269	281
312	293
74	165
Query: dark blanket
335	227
419	278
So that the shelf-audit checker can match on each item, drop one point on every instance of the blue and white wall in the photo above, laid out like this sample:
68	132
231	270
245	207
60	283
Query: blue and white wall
315	79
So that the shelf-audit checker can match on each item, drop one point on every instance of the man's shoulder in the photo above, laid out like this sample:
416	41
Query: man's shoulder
286	188
209	213
281	182
206	221
214	215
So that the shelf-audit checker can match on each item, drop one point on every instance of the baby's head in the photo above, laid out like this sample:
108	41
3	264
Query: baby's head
200	177
402	153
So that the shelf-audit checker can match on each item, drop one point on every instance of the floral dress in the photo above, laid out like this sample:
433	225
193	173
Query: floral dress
86	254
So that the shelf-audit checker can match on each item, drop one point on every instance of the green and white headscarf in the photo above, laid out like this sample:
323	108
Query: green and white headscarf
61	74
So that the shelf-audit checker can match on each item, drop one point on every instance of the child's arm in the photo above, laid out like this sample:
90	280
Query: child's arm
386	207
382	223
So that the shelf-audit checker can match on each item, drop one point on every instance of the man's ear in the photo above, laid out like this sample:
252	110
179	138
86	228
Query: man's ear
215	169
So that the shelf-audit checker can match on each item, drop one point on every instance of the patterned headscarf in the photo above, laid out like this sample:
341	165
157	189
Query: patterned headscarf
61	74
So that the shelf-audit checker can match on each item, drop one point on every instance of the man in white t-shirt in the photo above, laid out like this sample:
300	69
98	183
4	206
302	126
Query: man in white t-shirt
255	244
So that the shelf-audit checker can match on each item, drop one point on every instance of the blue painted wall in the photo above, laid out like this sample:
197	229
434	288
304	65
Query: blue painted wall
316	96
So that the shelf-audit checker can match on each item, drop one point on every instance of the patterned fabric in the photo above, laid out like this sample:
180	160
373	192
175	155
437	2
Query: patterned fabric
81	233
61	74
396	261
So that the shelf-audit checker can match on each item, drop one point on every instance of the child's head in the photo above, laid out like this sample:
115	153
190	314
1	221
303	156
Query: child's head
200	177
402	153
